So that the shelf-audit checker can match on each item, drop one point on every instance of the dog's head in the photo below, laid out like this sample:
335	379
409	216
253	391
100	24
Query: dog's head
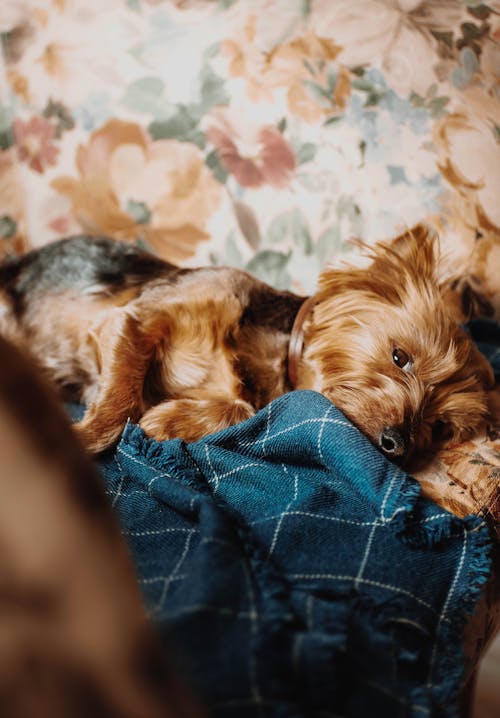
382	346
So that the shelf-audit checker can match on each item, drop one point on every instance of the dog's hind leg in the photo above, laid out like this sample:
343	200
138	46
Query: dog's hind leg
191	419
123	353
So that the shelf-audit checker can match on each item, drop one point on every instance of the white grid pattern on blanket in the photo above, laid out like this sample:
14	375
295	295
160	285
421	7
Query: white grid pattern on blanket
214	478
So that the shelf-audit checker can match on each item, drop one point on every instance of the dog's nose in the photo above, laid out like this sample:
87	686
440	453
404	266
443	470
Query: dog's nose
392	442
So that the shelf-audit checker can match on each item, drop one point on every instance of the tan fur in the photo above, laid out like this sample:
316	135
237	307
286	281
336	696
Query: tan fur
395	303
180	360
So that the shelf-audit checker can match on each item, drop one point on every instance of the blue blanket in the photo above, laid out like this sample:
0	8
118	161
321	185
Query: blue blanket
294	571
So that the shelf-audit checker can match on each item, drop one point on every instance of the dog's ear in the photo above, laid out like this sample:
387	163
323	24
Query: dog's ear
418	235
410	258
416	250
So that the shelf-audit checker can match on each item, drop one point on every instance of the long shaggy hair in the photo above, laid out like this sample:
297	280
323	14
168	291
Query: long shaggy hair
187	352
397	354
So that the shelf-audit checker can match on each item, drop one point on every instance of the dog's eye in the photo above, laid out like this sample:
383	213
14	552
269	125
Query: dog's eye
401	359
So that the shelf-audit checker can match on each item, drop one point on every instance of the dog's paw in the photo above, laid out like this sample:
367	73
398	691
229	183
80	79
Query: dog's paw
95	436
191	419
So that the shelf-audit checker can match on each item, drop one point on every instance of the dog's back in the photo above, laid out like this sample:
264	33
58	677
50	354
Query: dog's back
84	306
88	265
50	297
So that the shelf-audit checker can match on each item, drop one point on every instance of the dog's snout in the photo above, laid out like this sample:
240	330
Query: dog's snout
392	442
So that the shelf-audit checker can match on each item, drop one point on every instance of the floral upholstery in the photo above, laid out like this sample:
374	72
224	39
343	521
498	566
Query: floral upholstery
263	134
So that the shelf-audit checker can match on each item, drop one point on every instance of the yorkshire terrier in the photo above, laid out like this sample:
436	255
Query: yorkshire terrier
186	352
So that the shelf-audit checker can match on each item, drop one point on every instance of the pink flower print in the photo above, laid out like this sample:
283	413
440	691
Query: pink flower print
34	143
255	156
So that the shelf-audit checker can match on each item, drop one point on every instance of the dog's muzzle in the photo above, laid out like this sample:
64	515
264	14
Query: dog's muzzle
392	442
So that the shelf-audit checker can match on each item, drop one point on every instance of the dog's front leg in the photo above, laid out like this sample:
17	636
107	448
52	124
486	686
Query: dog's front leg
123	353
191	419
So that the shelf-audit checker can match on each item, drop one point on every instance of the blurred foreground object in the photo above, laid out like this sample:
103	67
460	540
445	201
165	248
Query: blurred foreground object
74	639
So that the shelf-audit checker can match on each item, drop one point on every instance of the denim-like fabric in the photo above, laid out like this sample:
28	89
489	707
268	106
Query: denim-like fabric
294	571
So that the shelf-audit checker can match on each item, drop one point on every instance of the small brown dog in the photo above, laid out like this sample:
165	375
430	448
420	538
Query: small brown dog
187	352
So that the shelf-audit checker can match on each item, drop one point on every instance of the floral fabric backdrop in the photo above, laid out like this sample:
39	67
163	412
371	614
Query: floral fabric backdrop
260	133
263	134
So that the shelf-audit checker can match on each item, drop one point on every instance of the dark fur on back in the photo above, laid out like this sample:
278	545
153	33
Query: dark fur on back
102	266
99	265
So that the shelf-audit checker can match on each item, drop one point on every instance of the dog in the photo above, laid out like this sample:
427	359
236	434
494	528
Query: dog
187	352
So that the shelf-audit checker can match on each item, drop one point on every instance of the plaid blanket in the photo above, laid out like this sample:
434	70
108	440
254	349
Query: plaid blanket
294	571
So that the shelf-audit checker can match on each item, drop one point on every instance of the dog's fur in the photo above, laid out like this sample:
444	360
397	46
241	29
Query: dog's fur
189	351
